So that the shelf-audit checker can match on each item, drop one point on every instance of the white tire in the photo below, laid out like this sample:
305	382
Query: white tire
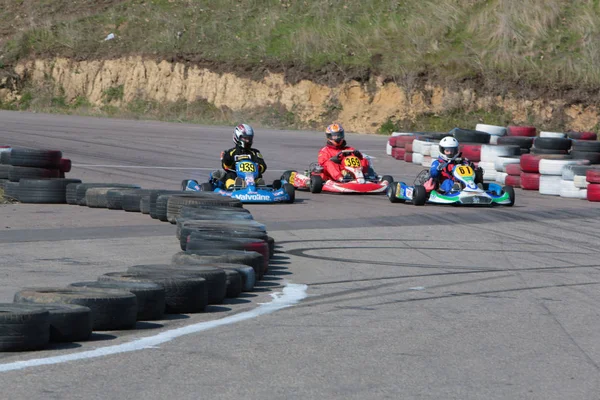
568	189
417	146
555	167
550	185
553	134
434	150
491	129
388	149
490	152
417	158
427	160
403	134
501	162
500	177
580	182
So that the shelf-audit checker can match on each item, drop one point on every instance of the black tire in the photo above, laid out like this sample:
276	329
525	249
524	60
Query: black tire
592	157
69	322
154	194
23	327
35	158
111	309
206	187
387	178
391	193
470	136
250	258
150	296
535	150
511	194
11	191
131	200
316	184
291	191
592	146
246	273
145	204
183	293
277	184
44	191
80	190
71	193
232	230
215	277
176	202
419	195
4	171
15	174
234	283
5	157
550	143
524	142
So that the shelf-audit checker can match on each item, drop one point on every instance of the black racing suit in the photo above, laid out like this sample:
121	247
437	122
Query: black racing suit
231	156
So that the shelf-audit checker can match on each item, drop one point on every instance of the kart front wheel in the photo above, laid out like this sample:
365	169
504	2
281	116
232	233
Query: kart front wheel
391	193
291	192
419	195
316	184
206	187
277	184
511	194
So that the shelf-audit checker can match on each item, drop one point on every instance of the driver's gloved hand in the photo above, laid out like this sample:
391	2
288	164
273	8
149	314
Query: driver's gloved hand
357	153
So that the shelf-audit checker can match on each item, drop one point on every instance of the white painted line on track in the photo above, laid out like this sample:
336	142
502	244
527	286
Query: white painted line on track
292	294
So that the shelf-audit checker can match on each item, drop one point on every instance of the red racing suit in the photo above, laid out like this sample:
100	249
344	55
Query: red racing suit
333	170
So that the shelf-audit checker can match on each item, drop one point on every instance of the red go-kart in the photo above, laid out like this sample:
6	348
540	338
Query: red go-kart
316	179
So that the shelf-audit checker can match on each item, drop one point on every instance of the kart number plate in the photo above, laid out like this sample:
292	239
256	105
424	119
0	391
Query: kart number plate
465	170
246	167
353	162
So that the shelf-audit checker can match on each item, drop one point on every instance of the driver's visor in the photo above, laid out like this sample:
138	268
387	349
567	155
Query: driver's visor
337	136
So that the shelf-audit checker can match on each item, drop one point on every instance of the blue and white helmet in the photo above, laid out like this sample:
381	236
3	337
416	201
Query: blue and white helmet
243	135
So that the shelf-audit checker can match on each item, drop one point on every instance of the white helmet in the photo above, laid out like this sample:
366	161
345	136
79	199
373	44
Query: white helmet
448	143
243	135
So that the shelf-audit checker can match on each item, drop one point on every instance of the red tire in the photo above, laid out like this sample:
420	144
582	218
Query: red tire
401	141
408	147
392	141
530	181
583	135
513	169
530	163
408	156
513	180
398	153
471	151
592	175
593	192
522	131
64	165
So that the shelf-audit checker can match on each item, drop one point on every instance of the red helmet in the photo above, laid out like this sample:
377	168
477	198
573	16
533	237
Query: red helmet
335	135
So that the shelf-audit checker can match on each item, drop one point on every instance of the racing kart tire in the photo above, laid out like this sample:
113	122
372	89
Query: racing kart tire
287	175
389	179
277	184
511	194
391	193
419	195
206	187
291	191
316	184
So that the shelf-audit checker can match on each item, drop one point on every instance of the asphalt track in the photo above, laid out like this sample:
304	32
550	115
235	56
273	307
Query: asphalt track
403	302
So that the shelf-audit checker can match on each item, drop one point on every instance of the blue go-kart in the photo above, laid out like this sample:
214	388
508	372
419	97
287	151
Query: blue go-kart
246	189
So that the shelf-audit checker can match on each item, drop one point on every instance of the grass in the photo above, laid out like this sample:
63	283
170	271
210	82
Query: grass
548	43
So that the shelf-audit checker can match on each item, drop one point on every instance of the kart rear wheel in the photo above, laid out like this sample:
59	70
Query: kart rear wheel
291	191
277	184
511	194
287	175
206	187
388	179
419	195
391	193
316	184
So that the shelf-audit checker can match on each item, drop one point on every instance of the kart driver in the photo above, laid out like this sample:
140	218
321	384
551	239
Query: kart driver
243	136
330	156
442	168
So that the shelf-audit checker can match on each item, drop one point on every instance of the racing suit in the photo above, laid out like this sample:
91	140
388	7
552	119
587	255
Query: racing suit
333	169
442	172
231	156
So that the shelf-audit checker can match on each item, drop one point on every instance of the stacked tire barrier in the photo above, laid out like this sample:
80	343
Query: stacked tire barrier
224	252
513	155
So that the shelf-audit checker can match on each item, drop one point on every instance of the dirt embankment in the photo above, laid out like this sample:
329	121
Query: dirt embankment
362	105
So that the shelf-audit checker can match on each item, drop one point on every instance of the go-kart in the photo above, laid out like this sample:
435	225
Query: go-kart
246	189
465	190
316	180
